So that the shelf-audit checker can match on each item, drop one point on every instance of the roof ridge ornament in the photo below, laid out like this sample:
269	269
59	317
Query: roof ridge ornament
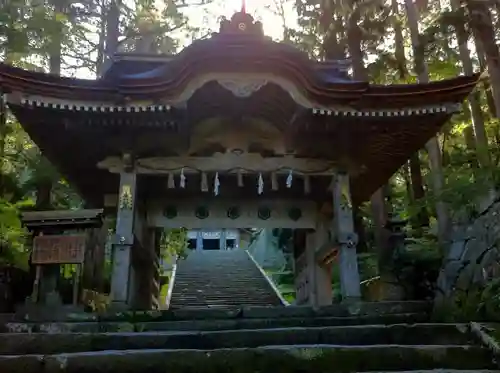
241	23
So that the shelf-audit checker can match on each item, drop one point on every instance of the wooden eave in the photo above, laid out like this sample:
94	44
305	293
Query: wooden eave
438	92
245	55
380	144
78	219
13	79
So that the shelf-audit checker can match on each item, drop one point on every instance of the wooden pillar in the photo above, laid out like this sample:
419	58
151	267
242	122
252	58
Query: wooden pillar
93	267
301	268
311	269
222	239
199	240
154	279
346	238
322	272
122	248
147	287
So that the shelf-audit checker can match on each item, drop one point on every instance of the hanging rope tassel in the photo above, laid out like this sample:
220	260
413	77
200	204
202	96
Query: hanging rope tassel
216	184
204	182
240	179
307	184
274	181
260	185
171	181
289	179
182	182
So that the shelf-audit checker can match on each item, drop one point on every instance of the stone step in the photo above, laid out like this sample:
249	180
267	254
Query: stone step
244	312
402	334
221	287
304	359
209	324
229	280
213	302
443	371
220	295
208	279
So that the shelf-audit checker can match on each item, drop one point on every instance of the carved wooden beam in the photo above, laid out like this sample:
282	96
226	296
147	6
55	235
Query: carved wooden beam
225	163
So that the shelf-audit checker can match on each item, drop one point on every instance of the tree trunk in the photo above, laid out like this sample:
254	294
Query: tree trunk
354	41
399	52
8	47
418	188
486	84
360	229
470	139
44	186
474	104
415	171
484	33
432	146
112	31
101	51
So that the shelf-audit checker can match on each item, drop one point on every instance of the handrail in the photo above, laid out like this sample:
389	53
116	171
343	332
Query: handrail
171	284
268	279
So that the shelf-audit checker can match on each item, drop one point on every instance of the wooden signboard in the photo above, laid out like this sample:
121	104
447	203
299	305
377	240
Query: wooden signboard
59	249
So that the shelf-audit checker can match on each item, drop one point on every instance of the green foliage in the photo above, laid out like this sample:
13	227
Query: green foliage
476	303
173	244
13	250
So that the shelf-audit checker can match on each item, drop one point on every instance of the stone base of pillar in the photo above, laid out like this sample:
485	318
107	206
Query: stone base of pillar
121	275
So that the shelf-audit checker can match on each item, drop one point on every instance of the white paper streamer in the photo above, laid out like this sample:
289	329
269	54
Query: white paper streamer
182	182
216	184
204	182
260	185
171	181
289	179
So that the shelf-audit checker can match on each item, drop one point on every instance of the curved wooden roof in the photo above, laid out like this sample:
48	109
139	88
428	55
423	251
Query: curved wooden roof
239	48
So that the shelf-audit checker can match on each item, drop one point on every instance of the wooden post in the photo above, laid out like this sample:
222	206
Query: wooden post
76	284
35	295
311	269
322	272
222	239
346	238
199	240
122	248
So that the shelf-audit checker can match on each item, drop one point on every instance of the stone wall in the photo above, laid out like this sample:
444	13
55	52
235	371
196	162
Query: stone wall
266	252
474	253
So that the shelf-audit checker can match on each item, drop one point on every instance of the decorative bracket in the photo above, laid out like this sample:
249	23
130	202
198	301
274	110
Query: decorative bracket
242	88
347	239
118	240
125	202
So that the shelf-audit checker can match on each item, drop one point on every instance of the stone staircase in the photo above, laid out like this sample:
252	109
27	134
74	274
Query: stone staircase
218	278
368	337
